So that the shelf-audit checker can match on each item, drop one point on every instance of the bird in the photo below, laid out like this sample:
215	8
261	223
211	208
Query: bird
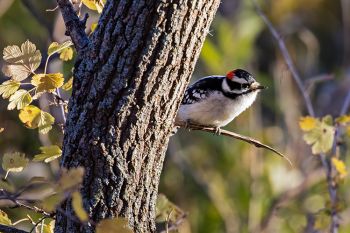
216	100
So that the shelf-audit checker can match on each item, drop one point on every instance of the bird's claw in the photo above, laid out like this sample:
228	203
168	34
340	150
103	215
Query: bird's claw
217	131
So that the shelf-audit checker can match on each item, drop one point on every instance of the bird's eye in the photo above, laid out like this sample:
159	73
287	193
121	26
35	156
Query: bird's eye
245	85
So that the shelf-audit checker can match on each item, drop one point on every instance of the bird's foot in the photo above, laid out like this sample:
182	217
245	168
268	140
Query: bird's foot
217	131
187	125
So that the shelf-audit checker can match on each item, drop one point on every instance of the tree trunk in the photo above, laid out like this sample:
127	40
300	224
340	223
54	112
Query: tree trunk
128	84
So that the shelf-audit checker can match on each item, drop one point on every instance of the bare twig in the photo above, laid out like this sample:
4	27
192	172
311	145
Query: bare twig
37	223
75	28
346	104
287	58
10	229
332	189
227	133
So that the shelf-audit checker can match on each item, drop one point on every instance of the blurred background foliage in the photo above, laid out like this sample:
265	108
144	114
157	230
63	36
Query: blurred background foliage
225	185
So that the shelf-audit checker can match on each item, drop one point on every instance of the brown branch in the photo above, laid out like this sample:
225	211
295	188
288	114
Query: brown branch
346	104
227	133
287	58
75	27
9	229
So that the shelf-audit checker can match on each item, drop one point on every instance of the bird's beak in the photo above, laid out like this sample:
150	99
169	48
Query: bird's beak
256	86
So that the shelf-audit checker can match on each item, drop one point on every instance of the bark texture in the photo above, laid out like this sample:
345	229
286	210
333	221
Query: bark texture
128	84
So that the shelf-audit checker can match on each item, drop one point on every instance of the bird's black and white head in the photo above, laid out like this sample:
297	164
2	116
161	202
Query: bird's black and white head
240	82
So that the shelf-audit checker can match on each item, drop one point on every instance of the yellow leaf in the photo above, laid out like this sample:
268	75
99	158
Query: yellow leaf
68	85
9	87
71	178
50	203
48	228
29	116
19	100
14	162
343	119
113	225
320	137
340	167
4	219
66	54
96	5
33	117
307	123
21	62
48	154
57	48
93	27
77	203
47	82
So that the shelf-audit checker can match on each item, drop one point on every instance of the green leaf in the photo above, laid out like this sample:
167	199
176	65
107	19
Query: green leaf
6	185
19	100
77	203
113	225
4	219
21	62
48	154
14	162
9	87
56	47
321	137
45	123
47	82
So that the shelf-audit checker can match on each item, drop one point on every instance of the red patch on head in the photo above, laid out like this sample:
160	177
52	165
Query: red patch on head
230	75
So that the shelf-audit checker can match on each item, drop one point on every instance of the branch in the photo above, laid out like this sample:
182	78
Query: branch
227	133
287	59
75	27
346	104
9	229
332	189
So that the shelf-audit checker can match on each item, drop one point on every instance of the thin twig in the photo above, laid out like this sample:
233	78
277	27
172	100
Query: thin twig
287	58
10	229
61	106
332	190
227	133
346	104
37	223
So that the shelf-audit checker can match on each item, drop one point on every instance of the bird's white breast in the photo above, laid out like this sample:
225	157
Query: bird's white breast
216	110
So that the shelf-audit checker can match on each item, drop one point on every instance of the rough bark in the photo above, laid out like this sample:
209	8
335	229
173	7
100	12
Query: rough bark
127	88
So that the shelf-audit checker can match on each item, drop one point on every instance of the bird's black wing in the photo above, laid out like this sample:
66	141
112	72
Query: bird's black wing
202	88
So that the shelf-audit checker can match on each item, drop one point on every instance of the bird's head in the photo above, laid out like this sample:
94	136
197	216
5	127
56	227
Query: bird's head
239	81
